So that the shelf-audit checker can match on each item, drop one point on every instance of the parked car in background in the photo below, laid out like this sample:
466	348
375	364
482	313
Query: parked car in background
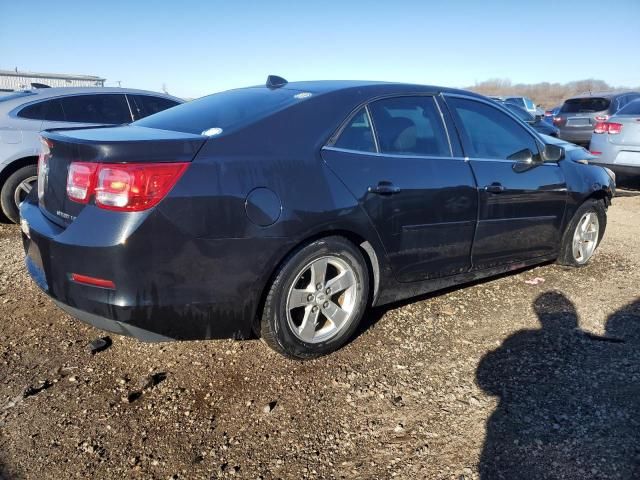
535	122
288	209
23	114
550	114
578	115
523	102
616	141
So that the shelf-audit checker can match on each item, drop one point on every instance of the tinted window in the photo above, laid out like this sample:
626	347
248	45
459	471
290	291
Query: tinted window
35	111
224	110
521	113
585	105
516	101
632	108
54	111
103	108
357	135
491	133
145	105
411	126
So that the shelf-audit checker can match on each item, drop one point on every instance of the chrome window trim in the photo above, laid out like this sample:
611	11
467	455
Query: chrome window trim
394	155
372	127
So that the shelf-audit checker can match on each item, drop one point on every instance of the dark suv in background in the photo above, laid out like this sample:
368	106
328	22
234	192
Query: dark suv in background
578	115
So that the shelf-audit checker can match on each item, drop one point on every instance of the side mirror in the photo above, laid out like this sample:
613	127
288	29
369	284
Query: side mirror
552	153
538	118
524	160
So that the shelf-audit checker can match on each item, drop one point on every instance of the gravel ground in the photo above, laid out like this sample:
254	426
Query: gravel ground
500	380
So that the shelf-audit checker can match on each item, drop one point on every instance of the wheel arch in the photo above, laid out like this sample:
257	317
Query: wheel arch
15	165
371	256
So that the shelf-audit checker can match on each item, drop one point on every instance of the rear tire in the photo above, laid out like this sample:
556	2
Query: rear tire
15	189
583	234
316	299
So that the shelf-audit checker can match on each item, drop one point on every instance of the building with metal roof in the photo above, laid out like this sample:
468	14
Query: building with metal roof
11	80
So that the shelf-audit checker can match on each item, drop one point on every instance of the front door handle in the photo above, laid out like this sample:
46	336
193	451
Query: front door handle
494	188
384	188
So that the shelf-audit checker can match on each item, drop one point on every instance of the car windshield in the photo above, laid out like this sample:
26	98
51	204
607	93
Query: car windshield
631	108
585	105
222	111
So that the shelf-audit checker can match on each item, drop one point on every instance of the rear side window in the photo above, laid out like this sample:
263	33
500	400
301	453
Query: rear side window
104	108
490	133
145	105
585	105
632	108
226	110
34	112
45	110
357	135
410	126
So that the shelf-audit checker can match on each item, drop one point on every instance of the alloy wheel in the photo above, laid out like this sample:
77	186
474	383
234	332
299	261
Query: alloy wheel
585	237
322	299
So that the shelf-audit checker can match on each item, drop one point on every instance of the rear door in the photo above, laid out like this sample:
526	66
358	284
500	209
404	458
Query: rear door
419	195
521	209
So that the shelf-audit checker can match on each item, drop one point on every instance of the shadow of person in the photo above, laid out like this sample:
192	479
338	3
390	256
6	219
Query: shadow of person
568	402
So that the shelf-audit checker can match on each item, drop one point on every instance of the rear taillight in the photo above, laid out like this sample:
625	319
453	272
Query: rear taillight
43	166
611	128
81	181
601	118
130	187
558	121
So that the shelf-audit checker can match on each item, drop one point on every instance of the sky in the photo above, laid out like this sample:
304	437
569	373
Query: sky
194	48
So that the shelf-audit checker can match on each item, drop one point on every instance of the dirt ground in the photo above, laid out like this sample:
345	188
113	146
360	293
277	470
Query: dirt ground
500	380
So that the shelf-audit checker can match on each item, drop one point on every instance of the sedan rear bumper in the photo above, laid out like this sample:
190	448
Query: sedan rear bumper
184	290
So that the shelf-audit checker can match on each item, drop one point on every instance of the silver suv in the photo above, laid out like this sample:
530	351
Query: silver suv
578	115
24	114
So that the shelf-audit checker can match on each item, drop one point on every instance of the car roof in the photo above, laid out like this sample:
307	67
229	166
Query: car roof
608	94
20	97
368	86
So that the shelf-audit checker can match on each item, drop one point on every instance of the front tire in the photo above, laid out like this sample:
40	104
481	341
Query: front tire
15	189
316	299
583	234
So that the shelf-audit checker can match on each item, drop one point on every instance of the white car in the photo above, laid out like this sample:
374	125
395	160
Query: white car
24	114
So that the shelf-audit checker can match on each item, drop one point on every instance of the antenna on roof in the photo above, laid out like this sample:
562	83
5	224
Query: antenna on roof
274	81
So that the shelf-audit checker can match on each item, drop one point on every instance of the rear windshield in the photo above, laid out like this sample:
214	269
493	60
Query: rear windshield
585	105
631	108
226	110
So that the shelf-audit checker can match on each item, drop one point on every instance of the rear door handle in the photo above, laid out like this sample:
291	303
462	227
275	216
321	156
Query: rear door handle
384	188
494	188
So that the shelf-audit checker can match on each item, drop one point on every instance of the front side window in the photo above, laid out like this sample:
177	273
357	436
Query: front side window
101	108
410	126
491	133
357	135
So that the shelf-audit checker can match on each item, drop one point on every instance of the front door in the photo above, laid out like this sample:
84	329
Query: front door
521	206
421	199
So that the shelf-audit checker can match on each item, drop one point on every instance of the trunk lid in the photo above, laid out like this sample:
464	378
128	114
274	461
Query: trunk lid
124	144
